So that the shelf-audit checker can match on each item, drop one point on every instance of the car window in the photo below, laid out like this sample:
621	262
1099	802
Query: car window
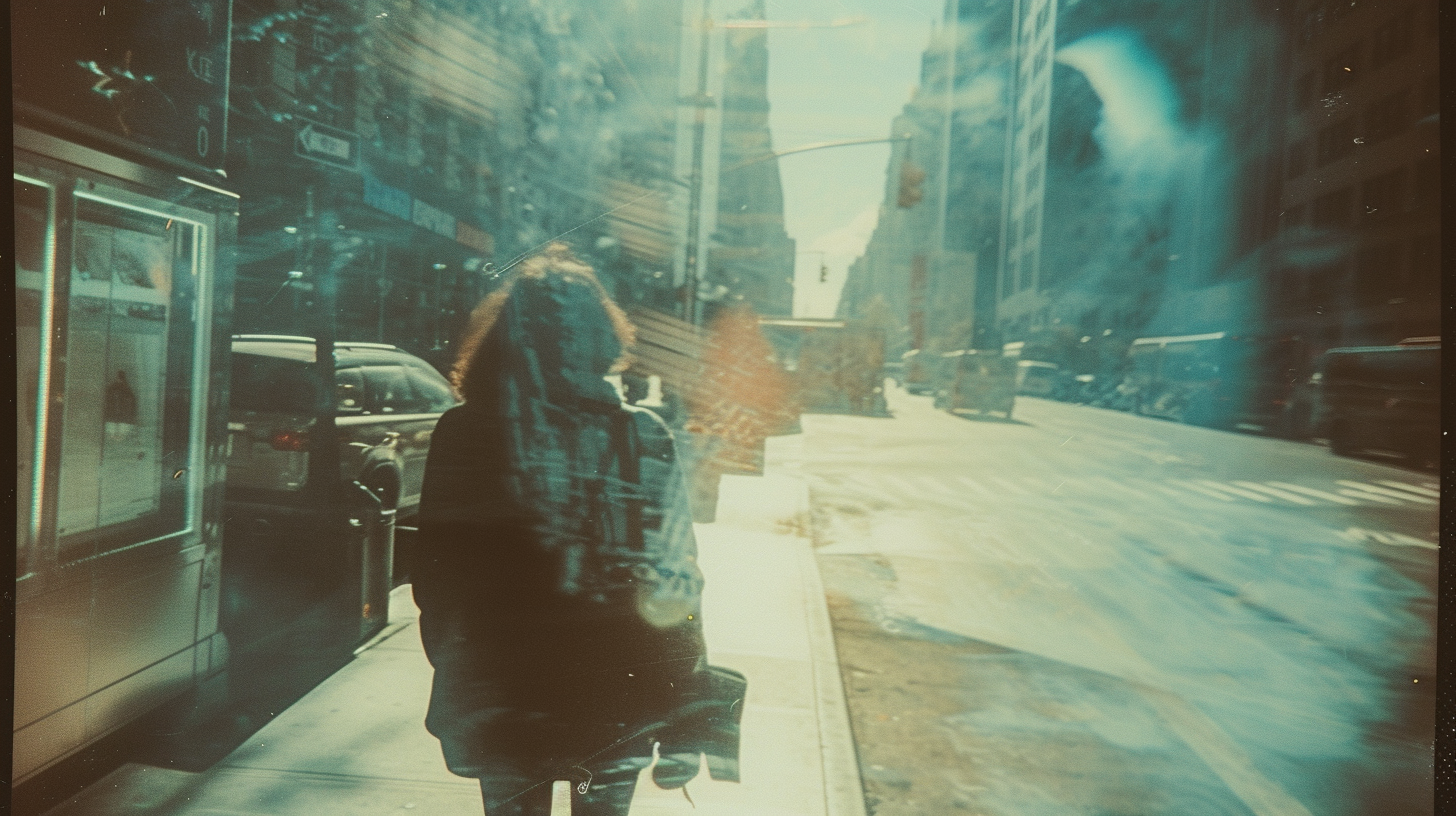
431	389
387	390
349	390
268	384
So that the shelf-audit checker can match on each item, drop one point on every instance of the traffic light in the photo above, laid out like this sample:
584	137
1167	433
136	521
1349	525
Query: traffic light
823	273
911	180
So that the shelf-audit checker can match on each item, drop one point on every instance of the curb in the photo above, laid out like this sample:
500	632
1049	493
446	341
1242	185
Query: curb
781	505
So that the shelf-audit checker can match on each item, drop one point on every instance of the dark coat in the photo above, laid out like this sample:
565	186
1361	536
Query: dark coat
530	681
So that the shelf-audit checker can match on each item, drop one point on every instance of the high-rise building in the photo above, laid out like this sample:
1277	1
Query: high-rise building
1357	256
751	259
932	265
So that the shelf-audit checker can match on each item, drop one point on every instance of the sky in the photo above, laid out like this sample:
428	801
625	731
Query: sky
828	84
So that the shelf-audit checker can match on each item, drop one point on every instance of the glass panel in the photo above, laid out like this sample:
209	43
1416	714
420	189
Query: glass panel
432	389
128	379
32	256
387	390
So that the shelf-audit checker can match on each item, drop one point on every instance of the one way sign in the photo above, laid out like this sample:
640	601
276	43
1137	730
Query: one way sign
326	144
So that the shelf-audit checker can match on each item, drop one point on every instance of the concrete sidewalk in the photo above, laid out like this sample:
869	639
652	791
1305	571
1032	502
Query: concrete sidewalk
356	745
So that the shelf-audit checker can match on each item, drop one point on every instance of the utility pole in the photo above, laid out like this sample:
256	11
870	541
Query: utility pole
701	102
940	267
319	270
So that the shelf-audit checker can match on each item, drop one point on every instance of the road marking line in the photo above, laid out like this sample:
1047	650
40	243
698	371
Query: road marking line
1318	494
1170	491
1223	756
1419	491
1204	490
1274	491
1385	491
1358	494
1248	494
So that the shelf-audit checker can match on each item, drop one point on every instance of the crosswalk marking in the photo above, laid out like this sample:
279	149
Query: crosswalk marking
1201	489
1385	491
1237	491
1419	491
1345	492
1318	494
1274	491
1363	496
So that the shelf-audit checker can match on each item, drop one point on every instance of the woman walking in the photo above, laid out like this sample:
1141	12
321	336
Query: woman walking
556	576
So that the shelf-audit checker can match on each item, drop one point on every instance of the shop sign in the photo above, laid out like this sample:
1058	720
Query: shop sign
132	72
474	237
388	199
434	219
329	145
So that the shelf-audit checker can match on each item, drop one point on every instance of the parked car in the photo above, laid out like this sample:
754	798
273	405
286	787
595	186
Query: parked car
916	374
979	381
1382	398
1037	379
386	402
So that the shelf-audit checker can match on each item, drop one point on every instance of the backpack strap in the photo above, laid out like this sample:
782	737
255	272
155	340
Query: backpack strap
626	447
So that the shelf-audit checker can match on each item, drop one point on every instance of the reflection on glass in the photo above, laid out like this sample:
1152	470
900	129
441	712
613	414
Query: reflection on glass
31	221
116	445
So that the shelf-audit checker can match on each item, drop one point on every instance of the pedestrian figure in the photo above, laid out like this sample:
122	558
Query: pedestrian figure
119	407
557	580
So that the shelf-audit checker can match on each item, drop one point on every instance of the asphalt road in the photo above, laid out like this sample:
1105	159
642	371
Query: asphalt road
1084	611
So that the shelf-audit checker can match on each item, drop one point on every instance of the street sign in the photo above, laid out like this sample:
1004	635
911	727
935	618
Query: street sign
326	144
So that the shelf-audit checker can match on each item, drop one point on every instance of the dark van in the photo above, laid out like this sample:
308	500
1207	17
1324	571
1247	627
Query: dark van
1383	398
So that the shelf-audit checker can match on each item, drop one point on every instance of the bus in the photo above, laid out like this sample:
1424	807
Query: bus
1217	379
1382	398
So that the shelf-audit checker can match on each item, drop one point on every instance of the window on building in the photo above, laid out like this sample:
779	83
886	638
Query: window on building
1305	91
391	115
432	135
1342	70
1037	138
1379	273
1383	195
1033	180
1428	101
1333	210
1323	285
1042	55
1336	141
1043	16
1387	116
1292	218
1426	189
1425	267
1297	159
1390	40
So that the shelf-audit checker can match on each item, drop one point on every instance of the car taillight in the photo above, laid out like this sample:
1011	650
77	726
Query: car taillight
290	441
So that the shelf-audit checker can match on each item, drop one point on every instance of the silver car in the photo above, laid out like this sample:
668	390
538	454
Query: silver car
387	402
